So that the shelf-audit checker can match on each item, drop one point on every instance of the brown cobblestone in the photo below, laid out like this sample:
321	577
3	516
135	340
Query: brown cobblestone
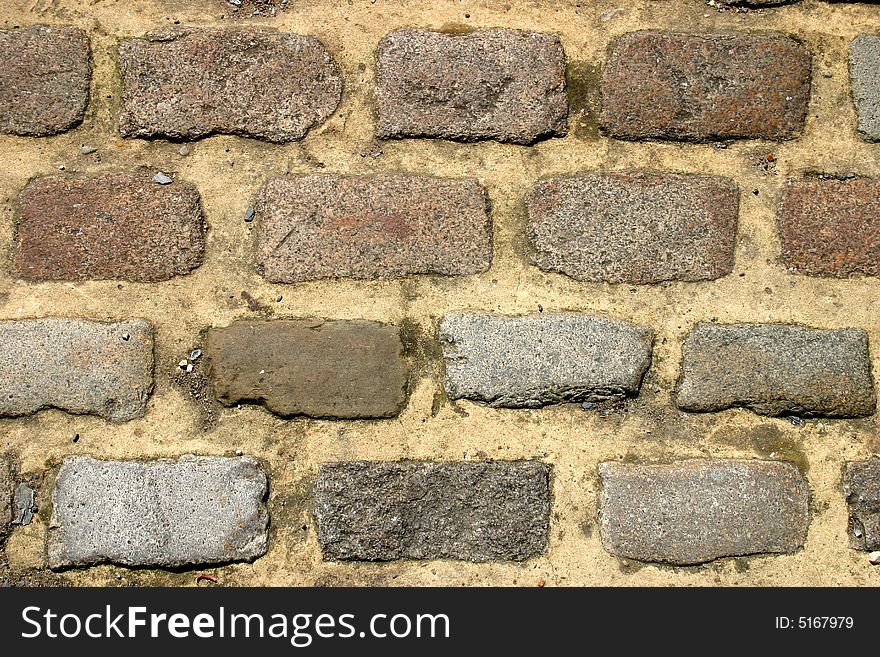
108	226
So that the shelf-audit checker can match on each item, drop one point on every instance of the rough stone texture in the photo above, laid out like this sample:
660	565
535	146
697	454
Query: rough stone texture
372	227
699	510
701	87
76	365
198	510
864	73
24	503
831	227
7	490
506	85
377	511
187	84
108	226
634	227
776	369
861	485
542	359
336	369
44	80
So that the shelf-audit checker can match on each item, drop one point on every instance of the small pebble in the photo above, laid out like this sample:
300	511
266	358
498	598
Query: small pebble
75	438
182	364
195	354
162	179
279	298
189	368
794	419
126	337
184	150
249	215
826	74
874	558
87	150
857	532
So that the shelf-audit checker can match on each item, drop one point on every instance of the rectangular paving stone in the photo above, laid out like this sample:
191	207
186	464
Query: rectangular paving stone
371	227
831	228
187	84
506	85
335	369
698	510
470	511
705	87
777	369
634	227
196	510
108	226
861	485
533	361
44	80
76	365
864	75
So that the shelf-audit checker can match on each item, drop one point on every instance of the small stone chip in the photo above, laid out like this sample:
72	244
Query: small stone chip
864	73
542	359
497	84
699	510
25	504
831	227
335	369
776	369
44	80
705	87
634	227
197	510
162	179
75	365
187	84
861	485
372	227
108	226
470	511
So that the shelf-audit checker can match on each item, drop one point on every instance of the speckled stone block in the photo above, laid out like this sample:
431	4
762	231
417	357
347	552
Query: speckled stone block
44	80
777	369
108	226
77	366
699	510
831	228
335	369
542	359
864	74
187	84
705	87
500	84
197	510
861	485
634	227
371	227
381	511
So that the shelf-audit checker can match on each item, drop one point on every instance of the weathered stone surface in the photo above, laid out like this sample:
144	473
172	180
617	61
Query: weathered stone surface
378	511
542	359
634	227
7	488
831	227
77	366
776	369
372	227
44	80
500	84
864	73
187	84
335	369
702	87
861	485
108	226
699	510
197	510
